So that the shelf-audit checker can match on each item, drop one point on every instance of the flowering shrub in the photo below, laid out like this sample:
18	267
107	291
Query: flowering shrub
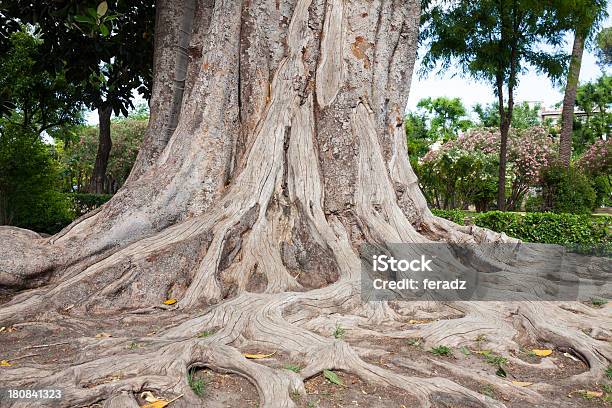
529	151
597	159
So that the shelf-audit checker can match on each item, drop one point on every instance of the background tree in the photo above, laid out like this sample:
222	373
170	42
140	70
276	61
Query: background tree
41	103
584	17
523	115
493	41
105	49
595	100
604	46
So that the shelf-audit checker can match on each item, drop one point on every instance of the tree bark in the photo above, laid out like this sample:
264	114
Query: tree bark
105	144
289	155
569	100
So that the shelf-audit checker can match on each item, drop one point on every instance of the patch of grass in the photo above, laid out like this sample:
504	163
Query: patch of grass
339	332
293	367
441	351
598	302
494	359
609	372
197	385
465	351
205	333
487	390
607	388
415	342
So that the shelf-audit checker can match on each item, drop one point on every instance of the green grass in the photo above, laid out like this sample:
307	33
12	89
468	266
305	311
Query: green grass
609	372
494	359
197	385
441	351
339	332
205	333
293	367
598	302
415	342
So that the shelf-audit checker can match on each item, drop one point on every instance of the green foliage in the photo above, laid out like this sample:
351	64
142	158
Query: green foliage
545	228
567	191
604	46
83	203
523	115
339	332
608	372
78	155
456	216
197	385
29	191
205	333
332	377
594	99
598	302
441	351
293	367
438	119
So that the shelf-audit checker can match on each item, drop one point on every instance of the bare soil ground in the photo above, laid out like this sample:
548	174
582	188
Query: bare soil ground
33	344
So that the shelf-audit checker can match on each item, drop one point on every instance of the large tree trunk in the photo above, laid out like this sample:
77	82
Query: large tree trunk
569	100
289	154
105	144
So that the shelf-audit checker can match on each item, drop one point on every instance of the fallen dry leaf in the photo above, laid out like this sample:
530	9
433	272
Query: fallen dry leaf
568	355
412	321
2	329
542	352
258	356
5	363
156	404
149	397
160	403
521	383
103	335
593	394
170	302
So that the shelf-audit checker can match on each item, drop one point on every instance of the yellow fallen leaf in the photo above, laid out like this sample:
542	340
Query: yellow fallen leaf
542	352
160	403
258	356
412	321
5	363
521	383
593	394
170	302
103	335
156	404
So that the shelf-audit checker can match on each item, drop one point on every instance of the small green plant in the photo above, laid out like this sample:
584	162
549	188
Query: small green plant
311	404
481	337
441	351
465	351
295	394
332	377
197	385
494	359
598	302
487	390
293	367
205	333
607	388
609	372
415	342
339	332
133	346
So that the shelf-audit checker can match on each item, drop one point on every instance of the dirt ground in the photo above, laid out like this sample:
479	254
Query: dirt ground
32	344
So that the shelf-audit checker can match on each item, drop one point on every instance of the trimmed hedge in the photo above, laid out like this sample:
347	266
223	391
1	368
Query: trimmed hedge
545	228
